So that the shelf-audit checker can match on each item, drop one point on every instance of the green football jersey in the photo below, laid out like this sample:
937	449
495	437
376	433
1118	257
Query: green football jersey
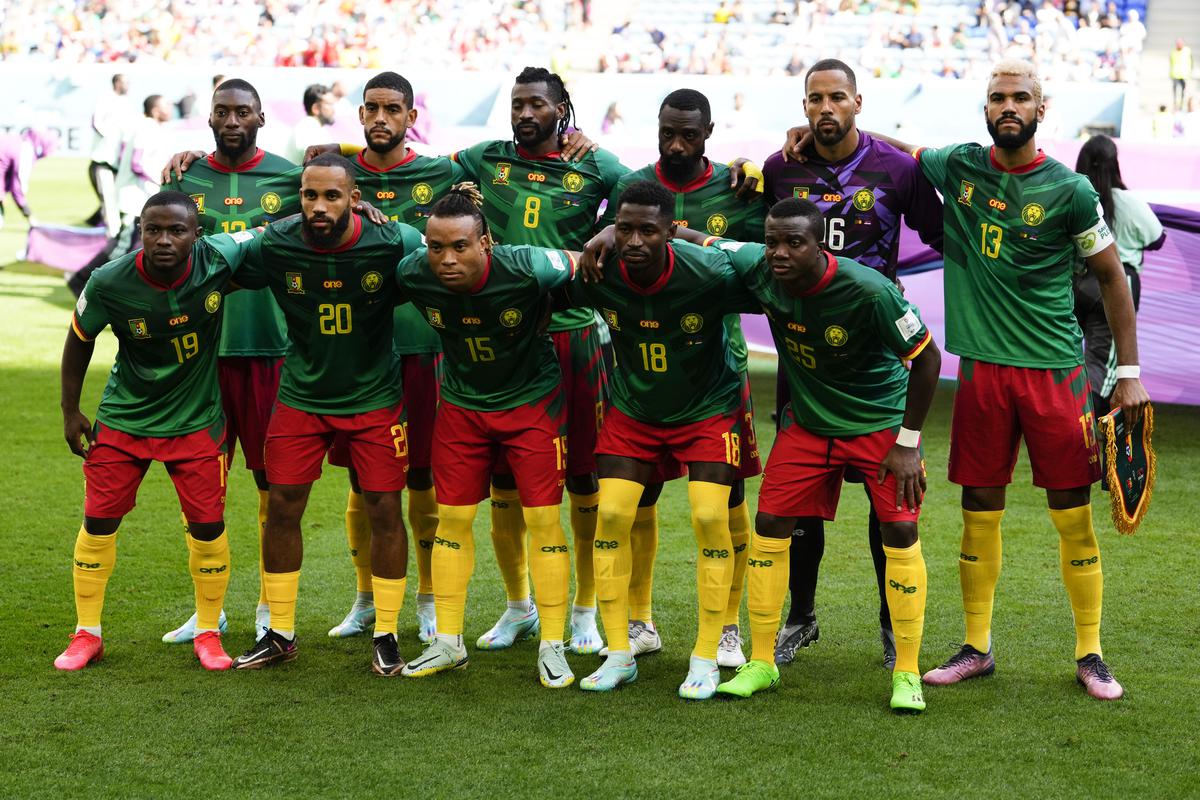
542	201
264	189
339	310
496	355
674	364
842	344
706	204
406	192
164	380
1012	239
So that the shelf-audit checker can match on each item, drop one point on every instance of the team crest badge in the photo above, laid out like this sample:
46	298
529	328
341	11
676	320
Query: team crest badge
572	181
435	317
502	171
198	199
294	282
800	192
271	203
965	190
1033	215
139	328
717	225
510	317
422	193
836	335
864	200
212	302
691	323
372	281
610	319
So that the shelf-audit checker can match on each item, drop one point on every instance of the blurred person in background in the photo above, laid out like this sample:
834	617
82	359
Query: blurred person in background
1137	229
112	114
319	113
1181	72
18	152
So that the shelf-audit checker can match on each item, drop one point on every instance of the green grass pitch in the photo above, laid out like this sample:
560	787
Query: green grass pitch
148	722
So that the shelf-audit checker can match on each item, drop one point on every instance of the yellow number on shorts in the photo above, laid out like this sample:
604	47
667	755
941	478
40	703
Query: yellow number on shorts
733	449
599	414
533	211
479	349
1088	423
654	357
186	346
400	439
560	452
334	319
802	354
990	237
223	465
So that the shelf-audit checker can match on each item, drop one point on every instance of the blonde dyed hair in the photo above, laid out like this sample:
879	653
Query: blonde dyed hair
1020	69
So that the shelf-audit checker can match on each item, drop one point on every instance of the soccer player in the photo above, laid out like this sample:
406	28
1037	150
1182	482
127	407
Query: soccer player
532	196
704	201
1016	222
329	273
843	331
237	187
502	396
863	186
161	403
404	186
676	393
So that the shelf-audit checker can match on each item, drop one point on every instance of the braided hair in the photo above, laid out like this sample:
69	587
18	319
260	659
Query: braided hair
558	92
462	200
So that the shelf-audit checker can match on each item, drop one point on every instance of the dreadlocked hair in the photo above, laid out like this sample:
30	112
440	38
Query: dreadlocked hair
462	200
558	92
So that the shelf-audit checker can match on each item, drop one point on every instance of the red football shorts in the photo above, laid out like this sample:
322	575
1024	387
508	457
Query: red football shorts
117	462
670	468
530	438
377	442
248	390
585	386
995	405
714	440
805	472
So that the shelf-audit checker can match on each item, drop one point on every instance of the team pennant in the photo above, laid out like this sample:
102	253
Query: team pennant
1130	467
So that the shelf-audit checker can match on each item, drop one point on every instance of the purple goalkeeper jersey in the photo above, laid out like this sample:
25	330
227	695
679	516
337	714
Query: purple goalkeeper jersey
863	198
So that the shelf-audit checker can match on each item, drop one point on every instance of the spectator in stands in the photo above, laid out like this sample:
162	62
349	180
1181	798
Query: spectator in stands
1181	72
319	113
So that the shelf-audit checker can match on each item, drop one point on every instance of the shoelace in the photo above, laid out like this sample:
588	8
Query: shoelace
961	657
730	640
78	642
1098	668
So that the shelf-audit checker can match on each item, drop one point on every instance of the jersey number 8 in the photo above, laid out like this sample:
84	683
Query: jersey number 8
533	211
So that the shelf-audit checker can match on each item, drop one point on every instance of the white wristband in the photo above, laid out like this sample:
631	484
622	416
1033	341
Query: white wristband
1129	371
907	438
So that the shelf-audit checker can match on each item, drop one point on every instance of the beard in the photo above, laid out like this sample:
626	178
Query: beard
679	168
326	240
532	140
1012	141
829	138
248	142
376	146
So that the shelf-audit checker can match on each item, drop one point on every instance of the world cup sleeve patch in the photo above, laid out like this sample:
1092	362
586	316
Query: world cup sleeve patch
908	325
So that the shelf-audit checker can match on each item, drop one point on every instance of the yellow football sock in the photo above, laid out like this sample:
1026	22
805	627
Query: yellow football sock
451	566
714	562
358	535
1079	559
550	567
508	540
978	572
906	588
209	564
767	586
643	542
389	599
583	528
282	588
263	497
613	556
95	557
739	536
423	520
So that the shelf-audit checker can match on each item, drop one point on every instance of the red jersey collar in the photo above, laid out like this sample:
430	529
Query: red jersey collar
356	226
691	186
658	284
523	153
1021	170
487	271
408	159
830	271
151	281
249	165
